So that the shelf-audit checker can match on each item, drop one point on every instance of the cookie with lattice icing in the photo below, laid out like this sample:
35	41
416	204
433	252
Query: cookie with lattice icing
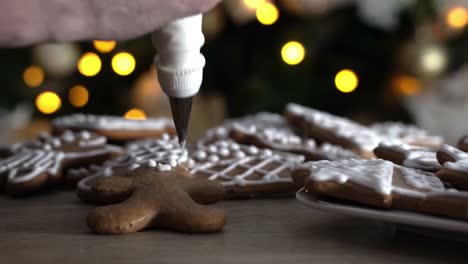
148	197
244	171
407	134
272	131
37	164
326	127
420	191
417	157
454	166
366	182
463	144
115	128
163	154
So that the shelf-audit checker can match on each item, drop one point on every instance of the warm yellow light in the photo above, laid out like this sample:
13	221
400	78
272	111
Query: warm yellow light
293	53
253	4
48	102
406	85
33	76
267	13
135	114
78	96
123	63
346	81
104	46
89	64
457	17
433	60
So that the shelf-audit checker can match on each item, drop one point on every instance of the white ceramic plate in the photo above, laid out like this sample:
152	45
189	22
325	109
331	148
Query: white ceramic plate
391	216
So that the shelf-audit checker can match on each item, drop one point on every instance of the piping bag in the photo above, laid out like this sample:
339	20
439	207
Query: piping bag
180	67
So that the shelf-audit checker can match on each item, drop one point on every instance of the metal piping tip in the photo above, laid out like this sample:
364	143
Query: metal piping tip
181	109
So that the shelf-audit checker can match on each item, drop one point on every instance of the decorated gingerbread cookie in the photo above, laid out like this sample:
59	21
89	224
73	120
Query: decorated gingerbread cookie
416	157
116	129
151	198
326	127
163	154
407	134
244	171
367	182
34	165
454	166
272	131
463	144
419	191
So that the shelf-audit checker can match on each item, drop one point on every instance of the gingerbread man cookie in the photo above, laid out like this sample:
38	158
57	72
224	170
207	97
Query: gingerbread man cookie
407	134
417	157
150	198
454	166
244	171
163	154
326	127
116	129
36	164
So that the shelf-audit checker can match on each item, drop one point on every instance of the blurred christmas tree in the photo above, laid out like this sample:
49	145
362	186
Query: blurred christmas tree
358	58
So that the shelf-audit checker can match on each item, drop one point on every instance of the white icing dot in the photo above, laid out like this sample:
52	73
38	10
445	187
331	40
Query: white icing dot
68	136
224	152
267	152
234	146
213	158
212	149
152	163
47	147
252	150
223	144
200	155
239	154
85	135
165	137
56	142
164	167
173	163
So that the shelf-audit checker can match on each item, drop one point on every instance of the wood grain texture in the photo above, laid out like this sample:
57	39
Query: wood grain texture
50	228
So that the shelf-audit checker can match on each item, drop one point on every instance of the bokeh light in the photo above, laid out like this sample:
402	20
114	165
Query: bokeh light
457	17
33	76
123	63
267	13
135	114
406	85
89	64
78	96
253	4
48	102
346	81
293	53
104	46
433	60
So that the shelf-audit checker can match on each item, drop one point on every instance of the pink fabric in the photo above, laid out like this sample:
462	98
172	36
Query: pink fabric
25	22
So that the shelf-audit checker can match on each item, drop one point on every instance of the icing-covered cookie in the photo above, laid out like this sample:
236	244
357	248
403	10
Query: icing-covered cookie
406	134
326	127
117	129
463	144
35	164
243	170
364	181
148	197
272	131
163	154
417	157
383	184
454	166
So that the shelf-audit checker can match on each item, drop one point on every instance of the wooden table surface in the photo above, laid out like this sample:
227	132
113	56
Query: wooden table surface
50	228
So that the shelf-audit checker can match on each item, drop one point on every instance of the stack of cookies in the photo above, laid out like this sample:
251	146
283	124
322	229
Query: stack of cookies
146	180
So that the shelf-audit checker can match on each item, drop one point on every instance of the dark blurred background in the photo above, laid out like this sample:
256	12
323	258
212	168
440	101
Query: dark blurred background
370	60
